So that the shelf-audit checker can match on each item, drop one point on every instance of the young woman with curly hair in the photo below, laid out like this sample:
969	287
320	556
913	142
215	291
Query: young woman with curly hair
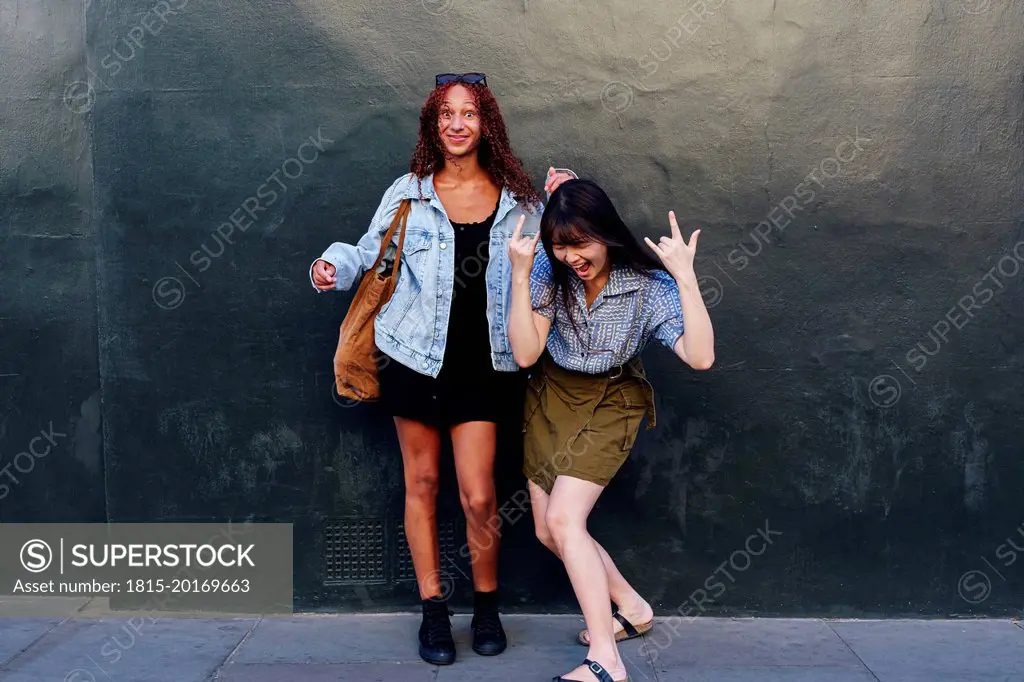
444	333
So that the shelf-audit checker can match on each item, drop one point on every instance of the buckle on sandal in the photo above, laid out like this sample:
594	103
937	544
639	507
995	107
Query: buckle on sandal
595	668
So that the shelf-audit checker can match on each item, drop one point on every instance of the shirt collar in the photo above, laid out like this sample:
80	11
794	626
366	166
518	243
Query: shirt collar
621	280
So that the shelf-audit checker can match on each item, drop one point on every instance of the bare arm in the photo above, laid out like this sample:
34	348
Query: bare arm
696	347
341	265
527	330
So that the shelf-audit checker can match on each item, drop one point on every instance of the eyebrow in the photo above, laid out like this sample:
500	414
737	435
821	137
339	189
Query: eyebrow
448	103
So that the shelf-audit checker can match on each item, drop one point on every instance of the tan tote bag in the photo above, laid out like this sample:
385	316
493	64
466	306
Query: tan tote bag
355	360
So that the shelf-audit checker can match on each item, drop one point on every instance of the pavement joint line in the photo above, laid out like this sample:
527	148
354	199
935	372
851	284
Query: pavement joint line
215	675
850	648
647	660
647	656
5	665
639	669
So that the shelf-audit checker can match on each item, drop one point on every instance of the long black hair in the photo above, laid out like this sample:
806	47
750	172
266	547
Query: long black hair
579	211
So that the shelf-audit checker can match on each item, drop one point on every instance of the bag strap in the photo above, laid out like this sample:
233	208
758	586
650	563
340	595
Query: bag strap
405	209
401	216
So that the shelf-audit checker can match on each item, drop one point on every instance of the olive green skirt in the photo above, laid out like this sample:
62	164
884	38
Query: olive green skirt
583	425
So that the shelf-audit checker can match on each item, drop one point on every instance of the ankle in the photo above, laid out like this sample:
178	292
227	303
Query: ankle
434	605
609	659
633	603
486	602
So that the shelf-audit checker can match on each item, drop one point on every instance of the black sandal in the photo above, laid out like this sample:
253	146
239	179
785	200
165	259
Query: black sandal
628	631
598	671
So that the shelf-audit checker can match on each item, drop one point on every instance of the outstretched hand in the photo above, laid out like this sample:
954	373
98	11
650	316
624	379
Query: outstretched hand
521	249
676	253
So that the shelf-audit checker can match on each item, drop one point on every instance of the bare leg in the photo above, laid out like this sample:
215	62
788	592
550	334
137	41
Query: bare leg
421	451
539	502
632	606
570	504
474	444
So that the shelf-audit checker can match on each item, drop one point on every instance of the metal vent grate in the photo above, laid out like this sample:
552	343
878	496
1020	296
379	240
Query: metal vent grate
355	551
452	542
371	550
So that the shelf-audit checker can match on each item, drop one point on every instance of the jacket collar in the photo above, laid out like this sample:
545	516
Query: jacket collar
415	186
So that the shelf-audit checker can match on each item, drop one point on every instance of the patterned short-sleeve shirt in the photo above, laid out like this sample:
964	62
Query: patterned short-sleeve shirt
632	309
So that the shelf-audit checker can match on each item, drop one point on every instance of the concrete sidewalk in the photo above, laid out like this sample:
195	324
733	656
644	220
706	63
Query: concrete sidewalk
381	648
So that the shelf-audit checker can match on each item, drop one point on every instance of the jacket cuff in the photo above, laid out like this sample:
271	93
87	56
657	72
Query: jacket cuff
311	276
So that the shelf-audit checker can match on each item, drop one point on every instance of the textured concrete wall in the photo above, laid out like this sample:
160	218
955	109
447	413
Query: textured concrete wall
856	168
51	465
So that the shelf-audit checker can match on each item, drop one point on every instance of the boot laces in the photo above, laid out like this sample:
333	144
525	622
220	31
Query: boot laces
438	627
488	623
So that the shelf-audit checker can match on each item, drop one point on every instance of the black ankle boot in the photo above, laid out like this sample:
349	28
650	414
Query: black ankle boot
488	635
436	643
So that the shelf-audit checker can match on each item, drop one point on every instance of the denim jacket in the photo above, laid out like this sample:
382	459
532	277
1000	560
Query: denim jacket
412	326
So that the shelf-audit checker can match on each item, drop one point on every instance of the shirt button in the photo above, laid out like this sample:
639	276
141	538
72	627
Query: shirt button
443	246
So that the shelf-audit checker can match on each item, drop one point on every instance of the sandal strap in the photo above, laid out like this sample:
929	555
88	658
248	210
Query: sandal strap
598	670
626	625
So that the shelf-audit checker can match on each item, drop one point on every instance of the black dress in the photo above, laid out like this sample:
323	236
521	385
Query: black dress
467	388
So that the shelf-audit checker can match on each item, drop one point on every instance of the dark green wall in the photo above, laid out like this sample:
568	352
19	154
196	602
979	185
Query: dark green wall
856	170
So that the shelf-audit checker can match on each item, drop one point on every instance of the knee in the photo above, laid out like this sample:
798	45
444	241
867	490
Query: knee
421	485
545	537
478	504
560	525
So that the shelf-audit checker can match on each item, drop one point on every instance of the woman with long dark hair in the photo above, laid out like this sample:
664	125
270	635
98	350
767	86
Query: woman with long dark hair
448	367
592	299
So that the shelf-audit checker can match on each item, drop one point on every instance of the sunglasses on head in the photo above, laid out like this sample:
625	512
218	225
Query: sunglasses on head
445	78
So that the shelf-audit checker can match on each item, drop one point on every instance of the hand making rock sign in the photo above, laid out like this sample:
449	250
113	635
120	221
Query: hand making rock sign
675	253
522	249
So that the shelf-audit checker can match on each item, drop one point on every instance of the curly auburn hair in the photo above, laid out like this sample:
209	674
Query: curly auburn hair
494	153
